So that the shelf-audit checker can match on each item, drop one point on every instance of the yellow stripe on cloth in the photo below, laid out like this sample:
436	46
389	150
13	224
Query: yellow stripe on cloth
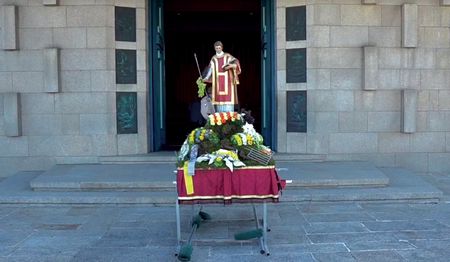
188	179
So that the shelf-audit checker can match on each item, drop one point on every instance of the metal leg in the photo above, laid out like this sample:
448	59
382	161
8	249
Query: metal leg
261	241
177	210
265	228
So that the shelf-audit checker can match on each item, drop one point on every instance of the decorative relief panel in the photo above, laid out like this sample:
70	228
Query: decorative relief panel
296	117
126	66
125	24
296	65
296	23
126	112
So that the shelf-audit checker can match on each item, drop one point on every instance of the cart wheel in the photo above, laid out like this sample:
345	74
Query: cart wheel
262	252
268	229
267	254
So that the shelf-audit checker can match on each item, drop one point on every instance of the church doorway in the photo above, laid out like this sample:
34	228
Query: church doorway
180	29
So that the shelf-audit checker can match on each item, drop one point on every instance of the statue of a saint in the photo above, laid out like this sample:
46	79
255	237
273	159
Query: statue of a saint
223	75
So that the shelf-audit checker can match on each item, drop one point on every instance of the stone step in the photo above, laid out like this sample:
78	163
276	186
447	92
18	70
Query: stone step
404	186
160	176
169	157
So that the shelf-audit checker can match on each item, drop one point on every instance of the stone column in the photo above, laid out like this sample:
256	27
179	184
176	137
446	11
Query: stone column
8	20
51	70
409	110
12	114
409	25
370	68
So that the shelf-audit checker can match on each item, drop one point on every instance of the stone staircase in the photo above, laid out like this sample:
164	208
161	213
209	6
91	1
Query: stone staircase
149	179
169	157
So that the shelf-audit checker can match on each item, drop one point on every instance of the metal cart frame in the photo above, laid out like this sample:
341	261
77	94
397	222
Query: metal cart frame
264	250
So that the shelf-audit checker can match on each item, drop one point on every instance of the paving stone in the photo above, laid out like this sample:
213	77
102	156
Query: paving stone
425	255
256	257
334	227
5	211
120	237
335	217
423	235
331	257
384	207
380	245
10	238
369	256
44	253
307	248
96	254
55	241
5	251
352	237
329	207
143	254
415	212
404	225
432	244
33	258
287	235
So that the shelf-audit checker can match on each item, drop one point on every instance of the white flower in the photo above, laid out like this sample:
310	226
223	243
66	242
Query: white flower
249	129
184	150
227	157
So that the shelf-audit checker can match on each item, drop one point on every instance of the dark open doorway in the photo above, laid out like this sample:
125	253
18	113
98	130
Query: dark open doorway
192	27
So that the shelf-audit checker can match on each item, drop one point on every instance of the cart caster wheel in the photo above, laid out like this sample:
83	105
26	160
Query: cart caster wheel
268	230
176	254
262	252
267	254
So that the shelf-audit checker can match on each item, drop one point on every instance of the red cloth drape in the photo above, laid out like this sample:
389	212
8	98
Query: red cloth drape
217	185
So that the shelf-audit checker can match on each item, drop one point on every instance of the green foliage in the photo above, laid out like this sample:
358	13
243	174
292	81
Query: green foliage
201	87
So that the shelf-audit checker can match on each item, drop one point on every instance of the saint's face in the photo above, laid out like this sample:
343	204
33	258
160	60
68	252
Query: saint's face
218	48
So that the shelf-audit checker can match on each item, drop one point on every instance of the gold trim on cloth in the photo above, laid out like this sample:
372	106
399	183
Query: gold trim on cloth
224	74
228	197
236	168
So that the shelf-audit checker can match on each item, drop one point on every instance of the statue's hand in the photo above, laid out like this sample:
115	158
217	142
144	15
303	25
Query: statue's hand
230	66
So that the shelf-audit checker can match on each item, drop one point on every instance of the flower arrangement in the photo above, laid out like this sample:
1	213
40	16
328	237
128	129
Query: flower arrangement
201	134
225	138
247	138
242	139
225	124
222	118
221	158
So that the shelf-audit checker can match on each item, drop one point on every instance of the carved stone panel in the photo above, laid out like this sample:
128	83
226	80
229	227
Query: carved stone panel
126	66
296	116
125	24
296	65
126	112
296	23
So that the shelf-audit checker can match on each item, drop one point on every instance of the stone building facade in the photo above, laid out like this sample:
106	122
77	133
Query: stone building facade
377	82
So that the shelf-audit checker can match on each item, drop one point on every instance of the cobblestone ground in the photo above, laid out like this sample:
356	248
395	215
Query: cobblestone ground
350	231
